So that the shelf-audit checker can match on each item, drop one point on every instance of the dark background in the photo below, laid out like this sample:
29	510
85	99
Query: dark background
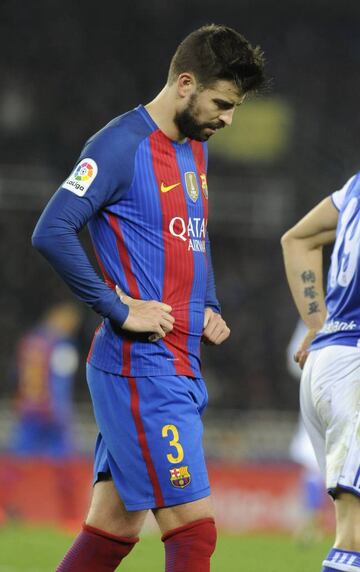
68	67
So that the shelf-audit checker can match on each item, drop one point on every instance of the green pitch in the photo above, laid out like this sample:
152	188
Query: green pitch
24	549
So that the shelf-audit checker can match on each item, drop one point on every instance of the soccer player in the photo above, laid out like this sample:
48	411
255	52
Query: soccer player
140	185
330	355
46	362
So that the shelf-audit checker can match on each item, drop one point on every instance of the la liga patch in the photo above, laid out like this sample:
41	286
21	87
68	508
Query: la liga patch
81	178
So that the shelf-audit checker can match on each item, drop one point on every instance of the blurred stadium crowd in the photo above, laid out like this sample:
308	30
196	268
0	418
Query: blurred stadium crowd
81	63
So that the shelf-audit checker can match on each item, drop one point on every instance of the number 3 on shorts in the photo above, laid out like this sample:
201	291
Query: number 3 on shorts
173	443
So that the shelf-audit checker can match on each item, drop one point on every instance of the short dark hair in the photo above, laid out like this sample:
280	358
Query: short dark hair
216	52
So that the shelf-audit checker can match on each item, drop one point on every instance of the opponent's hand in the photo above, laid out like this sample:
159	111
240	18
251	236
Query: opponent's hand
215	329
147	316
302	353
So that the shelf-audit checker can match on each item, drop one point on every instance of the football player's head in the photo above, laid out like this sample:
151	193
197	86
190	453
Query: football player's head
213	69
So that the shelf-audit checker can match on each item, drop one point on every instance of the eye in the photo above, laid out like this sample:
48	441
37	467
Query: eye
223	105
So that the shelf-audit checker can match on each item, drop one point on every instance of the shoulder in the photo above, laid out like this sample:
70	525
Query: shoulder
107	160
349	190
123	133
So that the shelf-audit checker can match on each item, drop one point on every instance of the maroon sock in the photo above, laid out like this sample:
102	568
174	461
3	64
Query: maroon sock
95	550
189	548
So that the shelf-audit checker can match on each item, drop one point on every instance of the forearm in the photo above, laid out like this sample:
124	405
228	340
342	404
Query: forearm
55	236
303	265
211	300
70	261
302	248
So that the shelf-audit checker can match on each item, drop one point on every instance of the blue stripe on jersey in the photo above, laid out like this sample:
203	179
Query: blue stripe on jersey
357	477
143	241
185	160
119	205
104	241
144	245
108	343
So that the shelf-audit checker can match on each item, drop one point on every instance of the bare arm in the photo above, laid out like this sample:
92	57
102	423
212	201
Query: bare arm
302	249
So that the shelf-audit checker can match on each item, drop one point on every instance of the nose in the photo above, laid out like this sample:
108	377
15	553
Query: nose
227	116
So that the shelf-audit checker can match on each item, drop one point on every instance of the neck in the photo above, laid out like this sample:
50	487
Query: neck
162	111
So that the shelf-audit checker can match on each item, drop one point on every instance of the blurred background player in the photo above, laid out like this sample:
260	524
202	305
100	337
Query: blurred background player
302	452
46	363
330	355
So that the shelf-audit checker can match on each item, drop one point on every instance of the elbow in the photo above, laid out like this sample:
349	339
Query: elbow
37	241
291	241
286	239
40	242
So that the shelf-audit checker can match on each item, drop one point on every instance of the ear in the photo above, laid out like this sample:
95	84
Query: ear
186	84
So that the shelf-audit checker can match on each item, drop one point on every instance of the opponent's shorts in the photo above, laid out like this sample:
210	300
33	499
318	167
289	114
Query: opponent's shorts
150	437
330	406
301	449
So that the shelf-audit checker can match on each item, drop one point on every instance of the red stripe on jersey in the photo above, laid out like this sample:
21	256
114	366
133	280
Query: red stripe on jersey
126	357
132	284
34	382
93	342
135	410
124	256
109	281
200	162
178	260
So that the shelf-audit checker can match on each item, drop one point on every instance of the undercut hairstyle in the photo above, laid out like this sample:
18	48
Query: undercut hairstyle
216	52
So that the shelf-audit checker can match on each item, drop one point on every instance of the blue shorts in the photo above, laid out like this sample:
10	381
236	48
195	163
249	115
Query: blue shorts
150	438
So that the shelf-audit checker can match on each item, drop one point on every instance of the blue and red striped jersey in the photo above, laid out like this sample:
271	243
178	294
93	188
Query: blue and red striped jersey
46	366
145	199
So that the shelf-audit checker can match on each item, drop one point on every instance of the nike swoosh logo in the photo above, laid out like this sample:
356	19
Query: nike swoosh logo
166	189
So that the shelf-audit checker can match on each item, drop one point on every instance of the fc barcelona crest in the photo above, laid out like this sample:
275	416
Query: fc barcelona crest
180	477
204	185
192	185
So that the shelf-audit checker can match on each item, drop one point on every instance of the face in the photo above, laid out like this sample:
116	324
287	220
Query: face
208	110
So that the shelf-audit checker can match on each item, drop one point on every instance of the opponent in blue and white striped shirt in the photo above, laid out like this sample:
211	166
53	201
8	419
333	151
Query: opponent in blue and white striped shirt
330	355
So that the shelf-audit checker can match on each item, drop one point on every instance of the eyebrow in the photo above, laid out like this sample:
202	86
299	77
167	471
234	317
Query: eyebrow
224	104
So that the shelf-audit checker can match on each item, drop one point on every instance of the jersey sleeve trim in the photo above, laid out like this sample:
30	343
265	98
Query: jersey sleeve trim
339	196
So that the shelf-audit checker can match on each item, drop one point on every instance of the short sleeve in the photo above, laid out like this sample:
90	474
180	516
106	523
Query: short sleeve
338	197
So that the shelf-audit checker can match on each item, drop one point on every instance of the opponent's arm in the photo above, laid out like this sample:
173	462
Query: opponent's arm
302	249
